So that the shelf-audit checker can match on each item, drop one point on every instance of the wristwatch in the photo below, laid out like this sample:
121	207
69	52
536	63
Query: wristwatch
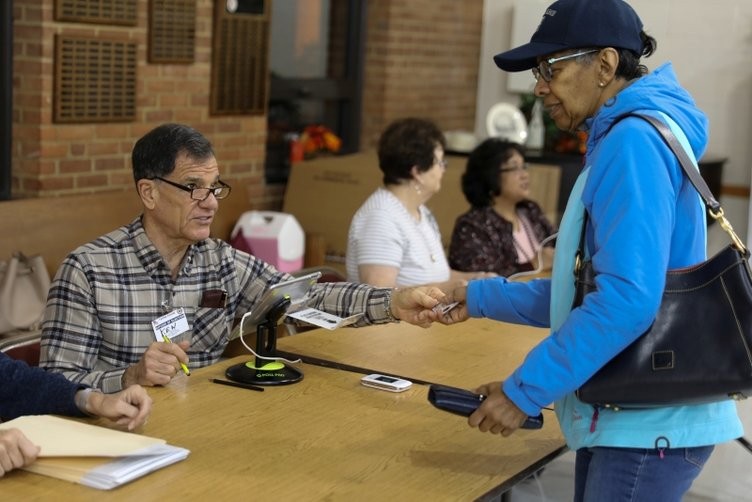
388	307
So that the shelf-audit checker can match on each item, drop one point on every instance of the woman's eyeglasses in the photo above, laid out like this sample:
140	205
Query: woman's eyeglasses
513	169
543	70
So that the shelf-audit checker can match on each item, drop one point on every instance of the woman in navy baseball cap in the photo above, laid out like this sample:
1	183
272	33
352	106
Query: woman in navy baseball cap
643	218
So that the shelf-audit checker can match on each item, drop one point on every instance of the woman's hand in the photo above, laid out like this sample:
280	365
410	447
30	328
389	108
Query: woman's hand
456	291
130	407
497	414
416	305
16	450
421	305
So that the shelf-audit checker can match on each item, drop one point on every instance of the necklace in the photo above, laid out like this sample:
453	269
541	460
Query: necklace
418	224
420	227
528	233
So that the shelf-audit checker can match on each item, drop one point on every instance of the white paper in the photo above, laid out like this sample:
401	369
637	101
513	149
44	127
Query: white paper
90	455
125	469
323	319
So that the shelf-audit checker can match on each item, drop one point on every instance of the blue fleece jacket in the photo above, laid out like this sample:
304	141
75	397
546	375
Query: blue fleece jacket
645	218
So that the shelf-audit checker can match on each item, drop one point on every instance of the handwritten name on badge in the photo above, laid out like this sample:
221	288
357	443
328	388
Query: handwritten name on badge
170	325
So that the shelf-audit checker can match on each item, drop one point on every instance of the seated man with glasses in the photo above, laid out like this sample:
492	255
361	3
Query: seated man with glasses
99	327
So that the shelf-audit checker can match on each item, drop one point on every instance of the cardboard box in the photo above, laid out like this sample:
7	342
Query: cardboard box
324	194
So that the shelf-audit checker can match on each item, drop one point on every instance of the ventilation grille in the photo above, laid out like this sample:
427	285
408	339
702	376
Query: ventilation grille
96	11
95	80
239	62
172	31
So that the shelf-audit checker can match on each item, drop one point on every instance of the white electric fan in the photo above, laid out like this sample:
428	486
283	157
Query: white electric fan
506	121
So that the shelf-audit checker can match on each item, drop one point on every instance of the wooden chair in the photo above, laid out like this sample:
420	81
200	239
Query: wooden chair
328	274
23	345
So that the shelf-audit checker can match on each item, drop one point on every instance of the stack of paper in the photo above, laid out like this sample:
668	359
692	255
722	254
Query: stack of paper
91	455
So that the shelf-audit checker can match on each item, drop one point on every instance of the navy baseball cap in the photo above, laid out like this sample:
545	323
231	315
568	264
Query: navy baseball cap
574	24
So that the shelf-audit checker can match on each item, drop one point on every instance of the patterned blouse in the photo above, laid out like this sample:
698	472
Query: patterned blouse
482	240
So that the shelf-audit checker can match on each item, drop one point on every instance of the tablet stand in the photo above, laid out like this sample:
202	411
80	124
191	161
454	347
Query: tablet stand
262	371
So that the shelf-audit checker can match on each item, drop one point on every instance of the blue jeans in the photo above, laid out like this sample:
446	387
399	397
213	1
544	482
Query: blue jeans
636	474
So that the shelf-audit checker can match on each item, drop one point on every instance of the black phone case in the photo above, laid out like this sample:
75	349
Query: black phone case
464	402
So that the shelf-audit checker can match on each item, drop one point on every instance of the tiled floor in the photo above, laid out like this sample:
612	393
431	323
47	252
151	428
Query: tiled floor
554	484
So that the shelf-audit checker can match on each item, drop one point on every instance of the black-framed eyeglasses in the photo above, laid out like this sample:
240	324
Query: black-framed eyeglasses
543	70
220	190
442	162
514	169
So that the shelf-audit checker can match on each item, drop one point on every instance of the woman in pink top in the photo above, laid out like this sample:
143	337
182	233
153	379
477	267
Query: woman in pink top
504	229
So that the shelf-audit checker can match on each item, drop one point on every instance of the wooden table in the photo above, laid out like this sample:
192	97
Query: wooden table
465	355
326	437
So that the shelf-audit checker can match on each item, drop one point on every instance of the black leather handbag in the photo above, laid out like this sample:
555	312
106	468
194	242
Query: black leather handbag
699	348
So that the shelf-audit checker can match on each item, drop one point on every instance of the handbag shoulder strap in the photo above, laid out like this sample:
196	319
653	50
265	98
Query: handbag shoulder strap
714	207
580	254
687	165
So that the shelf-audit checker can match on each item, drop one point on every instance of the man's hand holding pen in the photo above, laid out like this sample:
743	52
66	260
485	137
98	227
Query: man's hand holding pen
159	364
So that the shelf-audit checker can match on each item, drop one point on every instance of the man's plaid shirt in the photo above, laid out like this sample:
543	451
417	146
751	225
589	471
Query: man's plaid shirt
106	294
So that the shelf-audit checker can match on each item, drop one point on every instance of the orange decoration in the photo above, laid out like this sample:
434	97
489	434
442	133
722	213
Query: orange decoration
318	138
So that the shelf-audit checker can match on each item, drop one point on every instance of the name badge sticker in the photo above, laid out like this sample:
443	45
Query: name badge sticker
170	325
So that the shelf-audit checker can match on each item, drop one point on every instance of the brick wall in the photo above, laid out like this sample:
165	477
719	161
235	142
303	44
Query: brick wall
58	159
421	60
